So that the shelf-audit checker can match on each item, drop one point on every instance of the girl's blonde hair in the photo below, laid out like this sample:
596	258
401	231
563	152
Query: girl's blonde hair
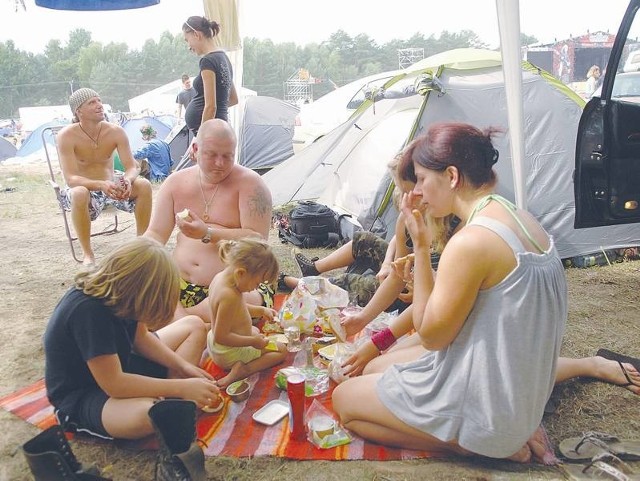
439	227
441	230
138	280
254	255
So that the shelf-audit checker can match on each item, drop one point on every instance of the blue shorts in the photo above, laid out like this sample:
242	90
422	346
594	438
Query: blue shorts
87	418
99	200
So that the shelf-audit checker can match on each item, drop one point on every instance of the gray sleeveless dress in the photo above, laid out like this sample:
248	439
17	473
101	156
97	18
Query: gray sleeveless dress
488	388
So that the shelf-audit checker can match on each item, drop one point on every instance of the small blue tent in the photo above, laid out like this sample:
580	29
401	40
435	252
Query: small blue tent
132	128
33	143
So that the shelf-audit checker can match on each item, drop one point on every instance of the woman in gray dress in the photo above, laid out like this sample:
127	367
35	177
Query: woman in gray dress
499	300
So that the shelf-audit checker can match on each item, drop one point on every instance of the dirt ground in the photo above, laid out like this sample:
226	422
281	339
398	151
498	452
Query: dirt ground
36	267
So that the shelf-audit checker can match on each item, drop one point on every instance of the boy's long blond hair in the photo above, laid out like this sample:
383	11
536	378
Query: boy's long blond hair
138	280
254	255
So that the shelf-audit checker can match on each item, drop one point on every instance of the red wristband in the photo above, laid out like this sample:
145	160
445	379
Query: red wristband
383	340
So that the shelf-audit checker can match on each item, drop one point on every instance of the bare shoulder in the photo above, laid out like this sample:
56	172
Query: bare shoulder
251	184
67	133
247	175
113	129
177	180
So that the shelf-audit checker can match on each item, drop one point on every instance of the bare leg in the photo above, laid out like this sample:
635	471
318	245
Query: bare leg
240	370
341	257
187	337
373	421
141	192
202	310
291	282
410	350
599	368
127	418
80	198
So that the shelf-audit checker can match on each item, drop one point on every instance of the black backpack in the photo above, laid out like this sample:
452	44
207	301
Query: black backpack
310	224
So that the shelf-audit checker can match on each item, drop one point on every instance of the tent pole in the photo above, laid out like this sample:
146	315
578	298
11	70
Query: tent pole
509	25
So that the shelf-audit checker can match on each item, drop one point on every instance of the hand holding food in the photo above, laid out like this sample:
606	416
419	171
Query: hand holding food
183	214
404	267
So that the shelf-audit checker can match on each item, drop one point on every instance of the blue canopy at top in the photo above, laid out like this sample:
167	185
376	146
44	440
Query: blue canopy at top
93	5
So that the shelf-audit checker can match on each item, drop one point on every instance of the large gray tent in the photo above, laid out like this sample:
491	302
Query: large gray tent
346	168
265	137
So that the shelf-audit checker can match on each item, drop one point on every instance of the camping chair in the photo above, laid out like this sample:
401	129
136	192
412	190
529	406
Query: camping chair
111	228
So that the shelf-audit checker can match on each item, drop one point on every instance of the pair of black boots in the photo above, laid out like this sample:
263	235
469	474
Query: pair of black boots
180	458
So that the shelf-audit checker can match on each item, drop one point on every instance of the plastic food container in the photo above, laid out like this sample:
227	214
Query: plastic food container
272	412
239	391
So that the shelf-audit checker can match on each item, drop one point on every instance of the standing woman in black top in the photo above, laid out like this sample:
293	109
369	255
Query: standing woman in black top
215	91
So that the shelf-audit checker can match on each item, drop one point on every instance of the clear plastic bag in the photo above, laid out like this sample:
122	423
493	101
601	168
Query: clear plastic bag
323	429
313	302
343	351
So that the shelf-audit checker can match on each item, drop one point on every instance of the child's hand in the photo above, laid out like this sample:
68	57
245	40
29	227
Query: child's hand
260	341
269	314
406	295
404	267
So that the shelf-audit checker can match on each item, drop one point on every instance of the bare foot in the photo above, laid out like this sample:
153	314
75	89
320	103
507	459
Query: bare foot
238	371
536	448
522	456
609	371
89	261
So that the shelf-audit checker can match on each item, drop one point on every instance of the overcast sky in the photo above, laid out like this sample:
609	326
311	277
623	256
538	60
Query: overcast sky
303	22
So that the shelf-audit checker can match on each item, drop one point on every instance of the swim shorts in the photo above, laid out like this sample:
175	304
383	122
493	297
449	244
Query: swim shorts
99	200
267	293
192	294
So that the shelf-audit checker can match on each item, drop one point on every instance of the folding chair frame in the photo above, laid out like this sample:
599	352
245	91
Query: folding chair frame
111	229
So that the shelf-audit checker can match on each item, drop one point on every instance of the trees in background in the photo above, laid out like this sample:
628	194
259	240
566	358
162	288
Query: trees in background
120	74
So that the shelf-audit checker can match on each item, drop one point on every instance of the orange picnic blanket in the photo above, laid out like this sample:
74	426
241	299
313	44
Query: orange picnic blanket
231	431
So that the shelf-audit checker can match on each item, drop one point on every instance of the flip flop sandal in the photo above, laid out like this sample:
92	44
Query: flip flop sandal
593	443
620	358
602	466
614	356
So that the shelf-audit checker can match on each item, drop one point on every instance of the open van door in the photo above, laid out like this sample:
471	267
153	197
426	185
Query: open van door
607	169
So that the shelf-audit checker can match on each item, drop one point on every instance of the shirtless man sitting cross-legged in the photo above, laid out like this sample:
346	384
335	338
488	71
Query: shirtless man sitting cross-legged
224	201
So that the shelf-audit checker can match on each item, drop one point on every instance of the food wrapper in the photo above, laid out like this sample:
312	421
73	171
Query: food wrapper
316	379
323	429
315	302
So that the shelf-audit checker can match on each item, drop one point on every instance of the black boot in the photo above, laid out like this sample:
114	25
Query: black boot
50	458
180	457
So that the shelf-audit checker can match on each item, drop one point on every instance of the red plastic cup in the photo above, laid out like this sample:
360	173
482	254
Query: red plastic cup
295	391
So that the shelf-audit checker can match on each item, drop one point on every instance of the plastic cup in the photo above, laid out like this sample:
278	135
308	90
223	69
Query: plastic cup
322	426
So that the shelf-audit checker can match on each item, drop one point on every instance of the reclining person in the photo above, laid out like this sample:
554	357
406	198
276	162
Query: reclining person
86	148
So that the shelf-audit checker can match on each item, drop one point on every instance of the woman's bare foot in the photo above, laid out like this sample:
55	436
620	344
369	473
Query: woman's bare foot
537	448
238	371
610	371
522	456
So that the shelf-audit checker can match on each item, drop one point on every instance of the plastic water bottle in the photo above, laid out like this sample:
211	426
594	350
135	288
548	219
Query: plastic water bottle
596	259
291	331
